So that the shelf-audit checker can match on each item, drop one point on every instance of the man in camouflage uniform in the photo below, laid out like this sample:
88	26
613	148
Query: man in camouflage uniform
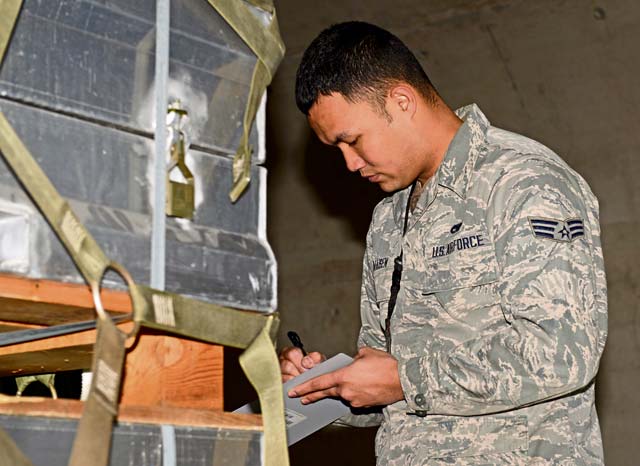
497	328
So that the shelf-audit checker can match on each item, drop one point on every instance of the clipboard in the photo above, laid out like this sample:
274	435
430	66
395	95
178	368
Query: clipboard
304	420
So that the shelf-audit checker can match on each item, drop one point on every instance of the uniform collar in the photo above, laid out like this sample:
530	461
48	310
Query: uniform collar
456	168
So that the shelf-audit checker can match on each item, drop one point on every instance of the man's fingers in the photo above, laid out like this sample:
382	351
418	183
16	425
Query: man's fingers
315	396
312	359
287	368
293	356
316	384
294	363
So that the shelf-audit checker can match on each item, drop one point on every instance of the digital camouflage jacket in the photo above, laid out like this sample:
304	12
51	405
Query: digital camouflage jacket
501	318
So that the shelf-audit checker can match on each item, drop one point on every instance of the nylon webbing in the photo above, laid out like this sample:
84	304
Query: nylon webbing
85	252
170	312
261	368
92	442
9	11
10	454
189	317
266	43
93	438
167	311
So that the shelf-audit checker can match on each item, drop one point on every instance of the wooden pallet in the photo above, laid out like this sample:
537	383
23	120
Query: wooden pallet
161	371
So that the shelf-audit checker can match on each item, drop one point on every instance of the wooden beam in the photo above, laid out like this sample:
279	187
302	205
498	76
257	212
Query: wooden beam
47	302
14	326
72	409
28	303
65	353
160	370
173	371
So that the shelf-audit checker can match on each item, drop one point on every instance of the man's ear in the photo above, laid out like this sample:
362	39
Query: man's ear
402	99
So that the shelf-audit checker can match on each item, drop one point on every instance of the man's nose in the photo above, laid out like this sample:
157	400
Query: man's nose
354	161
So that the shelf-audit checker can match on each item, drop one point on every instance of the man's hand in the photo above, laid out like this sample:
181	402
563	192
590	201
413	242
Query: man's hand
294	363
370	380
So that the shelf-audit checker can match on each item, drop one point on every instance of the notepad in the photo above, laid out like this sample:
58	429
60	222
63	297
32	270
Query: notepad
303	420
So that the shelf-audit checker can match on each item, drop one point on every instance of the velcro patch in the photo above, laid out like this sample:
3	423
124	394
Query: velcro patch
557	230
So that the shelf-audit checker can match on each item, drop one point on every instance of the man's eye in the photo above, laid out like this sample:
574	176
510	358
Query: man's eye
354	142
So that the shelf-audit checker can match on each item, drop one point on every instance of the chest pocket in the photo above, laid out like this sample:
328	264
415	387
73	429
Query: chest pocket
462	273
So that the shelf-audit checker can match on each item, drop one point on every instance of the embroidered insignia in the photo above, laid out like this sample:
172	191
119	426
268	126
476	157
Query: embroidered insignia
380	263
557	230
466	242
456	228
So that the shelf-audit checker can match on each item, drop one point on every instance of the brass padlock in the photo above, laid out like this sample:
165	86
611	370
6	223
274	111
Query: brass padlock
180	195
180	199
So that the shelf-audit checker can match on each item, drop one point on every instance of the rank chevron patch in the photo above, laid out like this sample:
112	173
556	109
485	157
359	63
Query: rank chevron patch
557	230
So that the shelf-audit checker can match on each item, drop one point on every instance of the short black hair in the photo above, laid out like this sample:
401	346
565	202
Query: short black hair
360	61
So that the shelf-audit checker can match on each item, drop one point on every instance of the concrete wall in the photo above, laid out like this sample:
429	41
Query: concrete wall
563	72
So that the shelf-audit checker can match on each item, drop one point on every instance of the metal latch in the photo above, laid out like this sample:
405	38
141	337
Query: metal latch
180	193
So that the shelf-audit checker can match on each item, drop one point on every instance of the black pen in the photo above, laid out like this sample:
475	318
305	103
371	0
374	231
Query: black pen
297	342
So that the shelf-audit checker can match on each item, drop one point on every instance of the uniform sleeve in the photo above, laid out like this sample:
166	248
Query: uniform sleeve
371	332
371	335
552	333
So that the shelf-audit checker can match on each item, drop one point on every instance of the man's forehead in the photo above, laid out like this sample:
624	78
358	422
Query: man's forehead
331	118
325	119
326	105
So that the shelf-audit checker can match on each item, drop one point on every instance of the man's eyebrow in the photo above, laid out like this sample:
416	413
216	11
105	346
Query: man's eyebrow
341	137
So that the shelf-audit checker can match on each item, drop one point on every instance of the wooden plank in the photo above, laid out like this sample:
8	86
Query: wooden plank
160	370
48	302
65	353
72	409
29	303
174	372
14	326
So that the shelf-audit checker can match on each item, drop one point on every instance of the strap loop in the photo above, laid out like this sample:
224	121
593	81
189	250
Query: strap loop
265	41
96	286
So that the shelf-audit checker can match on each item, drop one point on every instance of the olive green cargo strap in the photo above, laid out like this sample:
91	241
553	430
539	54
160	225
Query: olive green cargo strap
101	406
241	329
10	454
264	40
190	317
93	439
262	368
170	312
9	11
92	263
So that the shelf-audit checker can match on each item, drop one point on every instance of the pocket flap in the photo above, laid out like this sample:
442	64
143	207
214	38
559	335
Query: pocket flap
465	262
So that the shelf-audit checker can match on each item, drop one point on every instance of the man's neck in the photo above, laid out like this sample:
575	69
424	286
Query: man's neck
441	124
415	195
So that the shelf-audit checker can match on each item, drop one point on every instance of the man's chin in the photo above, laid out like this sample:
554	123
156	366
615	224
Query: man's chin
389	186
386	187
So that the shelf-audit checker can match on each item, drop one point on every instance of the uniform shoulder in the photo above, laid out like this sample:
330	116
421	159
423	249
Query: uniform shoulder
514	155
382	217
383	210
517	170
510	147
